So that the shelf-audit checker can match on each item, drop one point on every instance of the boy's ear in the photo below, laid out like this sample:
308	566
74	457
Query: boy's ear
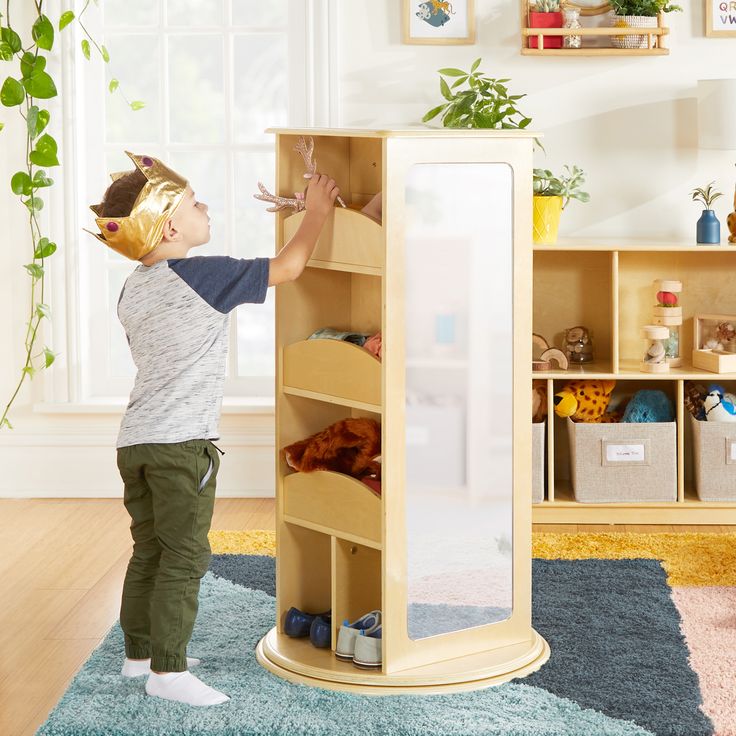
170	234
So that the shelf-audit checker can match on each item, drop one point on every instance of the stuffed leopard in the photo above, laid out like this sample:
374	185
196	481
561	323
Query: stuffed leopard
586	401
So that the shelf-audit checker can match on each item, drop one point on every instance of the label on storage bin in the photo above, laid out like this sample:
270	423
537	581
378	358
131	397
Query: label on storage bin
630	453
730	451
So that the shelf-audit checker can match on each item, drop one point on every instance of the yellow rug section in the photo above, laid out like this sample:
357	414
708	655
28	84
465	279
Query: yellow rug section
690	559
254	542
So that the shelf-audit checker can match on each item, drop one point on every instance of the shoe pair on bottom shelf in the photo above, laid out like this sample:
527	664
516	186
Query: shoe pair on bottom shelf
317	626
361	641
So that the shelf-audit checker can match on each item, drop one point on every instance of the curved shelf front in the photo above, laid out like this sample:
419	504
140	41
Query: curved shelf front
334	504
333	370
349	241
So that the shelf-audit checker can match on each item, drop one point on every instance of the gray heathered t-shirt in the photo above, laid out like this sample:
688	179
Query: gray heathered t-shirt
176	314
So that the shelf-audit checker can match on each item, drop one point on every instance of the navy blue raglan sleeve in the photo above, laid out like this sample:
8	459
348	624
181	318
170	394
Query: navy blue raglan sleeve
225	282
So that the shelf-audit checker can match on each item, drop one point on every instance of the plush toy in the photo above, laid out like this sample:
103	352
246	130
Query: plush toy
349	446
718	407
649	405
586	401
694	399
539	401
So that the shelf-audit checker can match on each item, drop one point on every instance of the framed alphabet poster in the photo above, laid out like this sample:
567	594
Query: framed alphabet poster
720	18
438	21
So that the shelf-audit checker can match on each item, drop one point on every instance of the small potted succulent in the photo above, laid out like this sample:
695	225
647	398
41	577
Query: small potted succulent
551	195
545	14
708	229
637	14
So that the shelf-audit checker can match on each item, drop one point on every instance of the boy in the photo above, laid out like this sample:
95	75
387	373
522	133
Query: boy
175	311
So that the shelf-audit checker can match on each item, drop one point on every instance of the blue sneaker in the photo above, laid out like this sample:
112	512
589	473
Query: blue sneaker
320	632
349	632
368	649
297	623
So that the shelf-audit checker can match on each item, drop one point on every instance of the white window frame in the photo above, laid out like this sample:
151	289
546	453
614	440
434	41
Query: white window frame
65	386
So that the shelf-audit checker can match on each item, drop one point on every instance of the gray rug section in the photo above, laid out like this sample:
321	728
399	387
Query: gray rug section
250	571
616	644
614	633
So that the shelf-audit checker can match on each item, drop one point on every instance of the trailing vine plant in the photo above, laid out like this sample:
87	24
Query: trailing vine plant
23	92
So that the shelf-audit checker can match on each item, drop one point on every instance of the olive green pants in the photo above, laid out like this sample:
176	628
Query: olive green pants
170	495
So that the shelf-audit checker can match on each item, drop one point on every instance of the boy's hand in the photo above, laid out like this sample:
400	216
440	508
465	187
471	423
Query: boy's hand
321	195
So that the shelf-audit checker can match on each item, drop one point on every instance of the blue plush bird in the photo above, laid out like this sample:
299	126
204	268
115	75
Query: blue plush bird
718	408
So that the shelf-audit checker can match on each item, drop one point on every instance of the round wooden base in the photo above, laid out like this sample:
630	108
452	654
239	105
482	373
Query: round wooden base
298	661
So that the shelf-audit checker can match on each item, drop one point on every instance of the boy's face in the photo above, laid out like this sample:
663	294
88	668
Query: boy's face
190	223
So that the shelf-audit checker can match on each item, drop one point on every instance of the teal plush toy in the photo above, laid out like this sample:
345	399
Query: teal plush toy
649	405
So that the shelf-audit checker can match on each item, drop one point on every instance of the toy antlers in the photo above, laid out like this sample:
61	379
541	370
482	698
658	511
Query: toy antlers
306	149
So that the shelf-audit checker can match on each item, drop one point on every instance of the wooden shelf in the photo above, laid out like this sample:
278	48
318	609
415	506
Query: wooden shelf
654	43
333	504
349	241
335	371
632	245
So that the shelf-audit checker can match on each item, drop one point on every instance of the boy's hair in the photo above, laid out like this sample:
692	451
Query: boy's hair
122	193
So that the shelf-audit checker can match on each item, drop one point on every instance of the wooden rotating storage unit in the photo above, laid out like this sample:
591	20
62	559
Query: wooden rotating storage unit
339	546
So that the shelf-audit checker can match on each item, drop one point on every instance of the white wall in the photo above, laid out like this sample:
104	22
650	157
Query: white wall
630	122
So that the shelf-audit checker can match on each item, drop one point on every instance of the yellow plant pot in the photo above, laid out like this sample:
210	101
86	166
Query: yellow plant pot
547	211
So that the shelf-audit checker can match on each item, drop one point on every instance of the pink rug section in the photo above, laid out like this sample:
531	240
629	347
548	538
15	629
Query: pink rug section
709	626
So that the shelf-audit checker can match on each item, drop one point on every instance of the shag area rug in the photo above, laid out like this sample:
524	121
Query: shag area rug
639	633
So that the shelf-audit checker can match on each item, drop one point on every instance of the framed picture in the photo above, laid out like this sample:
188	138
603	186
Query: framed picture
720	18
438	21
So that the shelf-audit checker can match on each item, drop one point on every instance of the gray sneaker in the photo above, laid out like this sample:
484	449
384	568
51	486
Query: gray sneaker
350	632
368	649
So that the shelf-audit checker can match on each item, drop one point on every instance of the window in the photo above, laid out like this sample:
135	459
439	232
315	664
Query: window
213	75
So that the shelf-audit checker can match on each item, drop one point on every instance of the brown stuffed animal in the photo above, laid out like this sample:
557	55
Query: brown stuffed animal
348	446
539	401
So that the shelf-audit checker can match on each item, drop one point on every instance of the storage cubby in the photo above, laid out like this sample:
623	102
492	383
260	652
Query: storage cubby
341	546
571	291
628	270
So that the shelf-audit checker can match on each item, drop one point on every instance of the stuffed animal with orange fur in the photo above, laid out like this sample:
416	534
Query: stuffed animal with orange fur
349	446
586	401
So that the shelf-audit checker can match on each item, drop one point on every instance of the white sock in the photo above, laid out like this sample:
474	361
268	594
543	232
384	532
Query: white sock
183	687
136	668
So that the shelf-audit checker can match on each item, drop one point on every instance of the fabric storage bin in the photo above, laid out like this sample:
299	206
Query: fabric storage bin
624	462
714	460
538	461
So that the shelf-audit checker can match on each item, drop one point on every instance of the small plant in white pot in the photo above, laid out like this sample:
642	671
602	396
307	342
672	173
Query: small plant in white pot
637	14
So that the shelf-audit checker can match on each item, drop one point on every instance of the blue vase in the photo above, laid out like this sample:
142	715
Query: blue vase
709	229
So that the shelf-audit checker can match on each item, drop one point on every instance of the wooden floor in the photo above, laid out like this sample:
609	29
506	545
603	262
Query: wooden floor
62	564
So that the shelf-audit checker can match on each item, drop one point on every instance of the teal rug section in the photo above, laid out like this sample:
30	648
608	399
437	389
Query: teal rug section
231	620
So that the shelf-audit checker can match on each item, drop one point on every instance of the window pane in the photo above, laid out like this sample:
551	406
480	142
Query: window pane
121	363
256	338
133	70
194	12
260	86
196	97
207	175
130	13
253	233
273	13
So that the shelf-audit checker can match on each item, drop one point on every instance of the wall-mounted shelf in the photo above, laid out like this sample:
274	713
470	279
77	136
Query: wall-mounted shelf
609	287
654	43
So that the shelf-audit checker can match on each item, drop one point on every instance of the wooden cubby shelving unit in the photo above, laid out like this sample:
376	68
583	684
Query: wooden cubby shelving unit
340	546
608	285
655	37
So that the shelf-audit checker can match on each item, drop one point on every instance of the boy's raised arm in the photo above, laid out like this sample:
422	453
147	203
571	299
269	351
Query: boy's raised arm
292	258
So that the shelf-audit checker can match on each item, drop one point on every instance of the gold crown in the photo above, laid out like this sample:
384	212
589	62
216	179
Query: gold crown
140	232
